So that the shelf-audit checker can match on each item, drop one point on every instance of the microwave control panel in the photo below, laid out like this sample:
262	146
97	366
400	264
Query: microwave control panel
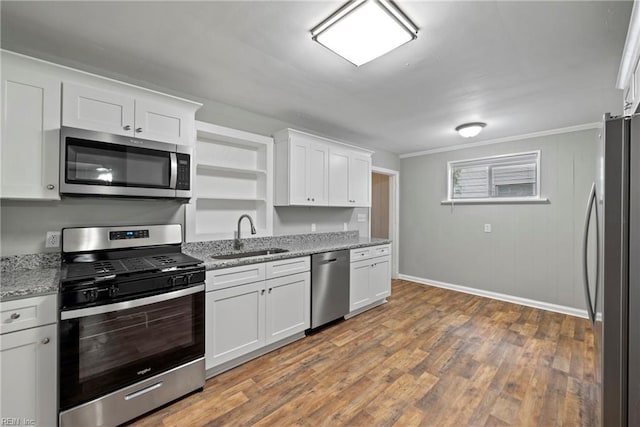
184	172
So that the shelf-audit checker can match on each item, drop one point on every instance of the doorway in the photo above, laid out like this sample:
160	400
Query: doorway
384	209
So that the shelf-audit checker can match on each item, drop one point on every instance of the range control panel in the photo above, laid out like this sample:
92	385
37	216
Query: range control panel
128	234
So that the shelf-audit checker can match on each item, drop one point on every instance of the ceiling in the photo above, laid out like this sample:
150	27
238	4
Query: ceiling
521	67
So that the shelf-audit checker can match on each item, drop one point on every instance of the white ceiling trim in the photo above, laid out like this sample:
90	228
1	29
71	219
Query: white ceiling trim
558	131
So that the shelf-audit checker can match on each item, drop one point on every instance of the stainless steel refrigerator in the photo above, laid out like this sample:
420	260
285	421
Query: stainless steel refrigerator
612	271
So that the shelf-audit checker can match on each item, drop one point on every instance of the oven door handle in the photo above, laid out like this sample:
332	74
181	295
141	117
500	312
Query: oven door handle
90	311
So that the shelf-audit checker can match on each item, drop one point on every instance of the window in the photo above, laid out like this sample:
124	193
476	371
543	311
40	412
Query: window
511	177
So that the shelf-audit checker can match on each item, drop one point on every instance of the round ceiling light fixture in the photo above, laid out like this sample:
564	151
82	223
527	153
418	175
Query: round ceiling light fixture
469	130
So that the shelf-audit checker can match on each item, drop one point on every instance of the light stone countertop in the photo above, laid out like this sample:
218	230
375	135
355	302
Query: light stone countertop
23	276
295	249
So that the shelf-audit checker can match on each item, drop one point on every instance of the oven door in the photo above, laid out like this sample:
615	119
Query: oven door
95	163
107	347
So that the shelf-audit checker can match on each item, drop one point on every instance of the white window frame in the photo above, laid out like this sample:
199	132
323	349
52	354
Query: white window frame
488	160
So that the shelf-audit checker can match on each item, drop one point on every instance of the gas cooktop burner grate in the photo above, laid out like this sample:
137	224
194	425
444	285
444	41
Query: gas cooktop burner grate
101	267
164	260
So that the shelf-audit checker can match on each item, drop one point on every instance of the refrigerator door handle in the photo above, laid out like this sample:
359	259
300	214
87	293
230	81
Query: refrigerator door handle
585	242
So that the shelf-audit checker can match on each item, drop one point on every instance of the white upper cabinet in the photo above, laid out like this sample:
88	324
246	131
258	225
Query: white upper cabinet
123	114
163	122
302	170
99	110
30	134
349	178
315	171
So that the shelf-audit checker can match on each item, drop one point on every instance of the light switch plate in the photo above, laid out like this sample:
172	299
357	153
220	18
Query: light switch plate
487	228
362	217
313	227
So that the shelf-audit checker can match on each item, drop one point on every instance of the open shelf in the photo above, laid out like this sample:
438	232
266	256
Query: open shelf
217	168
233	176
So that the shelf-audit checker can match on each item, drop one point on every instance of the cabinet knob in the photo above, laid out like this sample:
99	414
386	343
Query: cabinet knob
127	127
50	187
15	316
313	199
270	289
46	340
262	292
308	199
138	130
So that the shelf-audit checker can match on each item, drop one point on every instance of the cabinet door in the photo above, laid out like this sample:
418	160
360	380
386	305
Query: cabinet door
234	322
380	278
93	109
30	134
338	178
360	180
288	306
318	174
359	292
162	122
29	376
299	152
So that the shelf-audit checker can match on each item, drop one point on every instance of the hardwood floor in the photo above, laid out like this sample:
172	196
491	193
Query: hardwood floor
428	357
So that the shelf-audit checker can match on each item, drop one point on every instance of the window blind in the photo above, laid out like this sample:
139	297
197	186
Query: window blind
512	175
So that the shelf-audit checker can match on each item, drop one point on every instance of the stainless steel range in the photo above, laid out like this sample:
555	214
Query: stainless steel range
131	323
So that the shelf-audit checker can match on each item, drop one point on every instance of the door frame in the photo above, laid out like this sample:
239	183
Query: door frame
394	214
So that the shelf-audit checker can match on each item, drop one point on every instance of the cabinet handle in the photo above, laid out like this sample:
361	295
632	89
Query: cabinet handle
127	127
138	130
15	316
46	340
50	187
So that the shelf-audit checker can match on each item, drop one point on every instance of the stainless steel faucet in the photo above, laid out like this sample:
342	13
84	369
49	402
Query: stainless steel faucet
237	243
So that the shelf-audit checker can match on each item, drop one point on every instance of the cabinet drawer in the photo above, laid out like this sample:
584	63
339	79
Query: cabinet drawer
381	250
285	267
361	253
234	276
28	313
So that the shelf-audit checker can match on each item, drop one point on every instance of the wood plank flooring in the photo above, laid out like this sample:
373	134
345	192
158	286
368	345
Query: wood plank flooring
428	357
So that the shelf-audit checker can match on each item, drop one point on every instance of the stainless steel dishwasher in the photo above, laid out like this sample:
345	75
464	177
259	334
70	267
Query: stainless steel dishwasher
329	287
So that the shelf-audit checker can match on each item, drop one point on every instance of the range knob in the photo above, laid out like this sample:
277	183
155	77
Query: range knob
113	291
90	295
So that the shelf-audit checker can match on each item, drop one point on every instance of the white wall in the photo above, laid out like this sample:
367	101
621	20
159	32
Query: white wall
533	250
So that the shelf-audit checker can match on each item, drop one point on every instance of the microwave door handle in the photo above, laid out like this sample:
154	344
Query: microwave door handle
174	171
585	243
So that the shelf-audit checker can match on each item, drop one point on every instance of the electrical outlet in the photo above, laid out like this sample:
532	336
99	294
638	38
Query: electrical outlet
53	239
362	217
487	228
345	227
313	227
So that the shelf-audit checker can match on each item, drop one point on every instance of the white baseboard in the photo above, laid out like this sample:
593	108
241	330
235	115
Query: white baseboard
502	297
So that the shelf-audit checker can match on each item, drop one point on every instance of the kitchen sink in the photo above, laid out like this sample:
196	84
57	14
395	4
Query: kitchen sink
261	252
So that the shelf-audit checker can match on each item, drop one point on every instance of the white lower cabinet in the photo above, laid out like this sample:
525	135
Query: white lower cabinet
288	306
28	362
245	317
370	276
234	322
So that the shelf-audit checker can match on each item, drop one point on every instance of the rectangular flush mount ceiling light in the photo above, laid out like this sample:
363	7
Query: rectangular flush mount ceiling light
363	30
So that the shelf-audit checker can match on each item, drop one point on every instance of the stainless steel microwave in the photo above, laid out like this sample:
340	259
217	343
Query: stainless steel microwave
102	164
